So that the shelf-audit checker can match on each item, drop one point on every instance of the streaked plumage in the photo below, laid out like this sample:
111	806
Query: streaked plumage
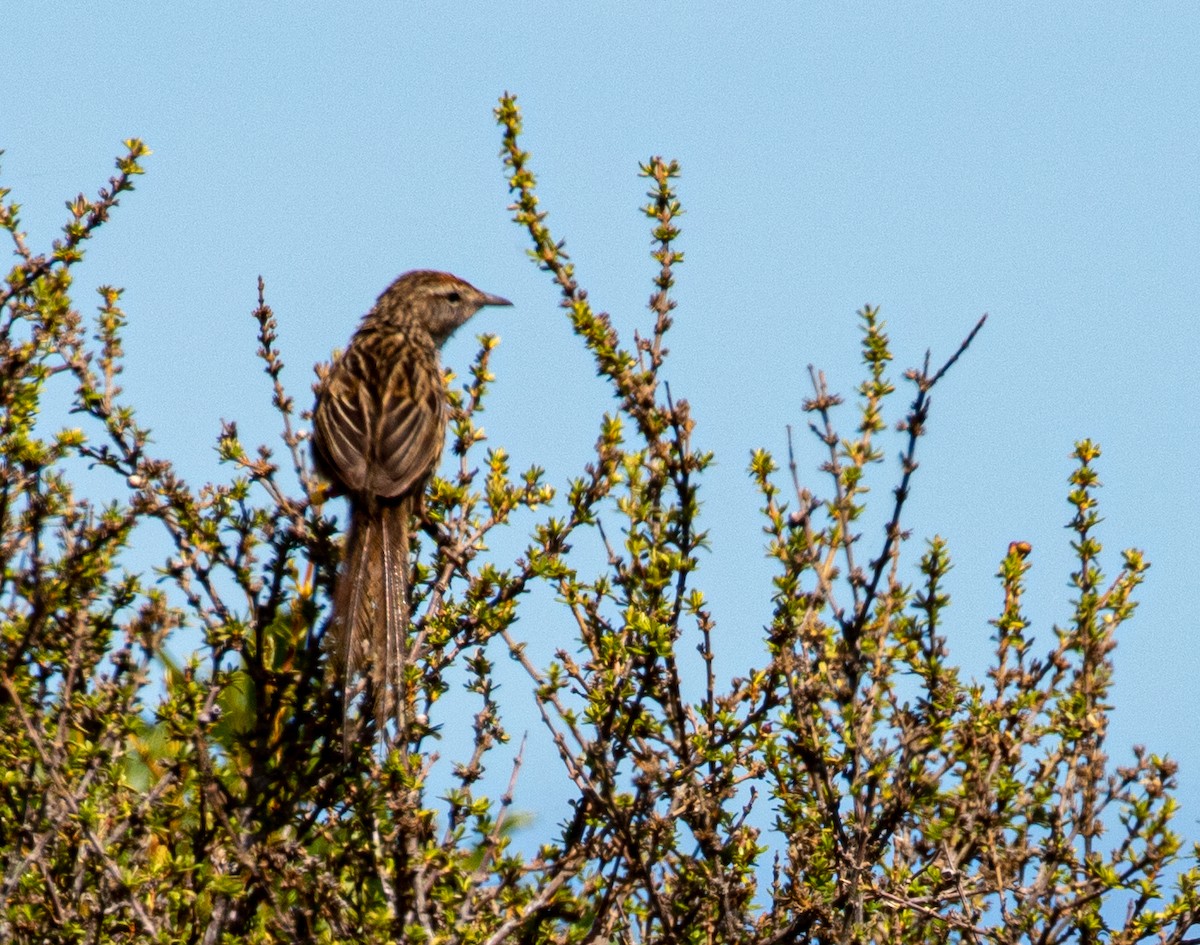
378	429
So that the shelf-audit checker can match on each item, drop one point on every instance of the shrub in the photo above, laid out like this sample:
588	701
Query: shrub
851	787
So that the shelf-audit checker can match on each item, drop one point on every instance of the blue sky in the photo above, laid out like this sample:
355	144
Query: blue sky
1038	162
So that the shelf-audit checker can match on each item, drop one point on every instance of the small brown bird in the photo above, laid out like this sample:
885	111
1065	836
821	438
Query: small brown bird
378	430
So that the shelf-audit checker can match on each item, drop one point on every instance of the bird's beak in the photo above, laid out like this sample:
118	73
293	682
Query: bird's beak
494	300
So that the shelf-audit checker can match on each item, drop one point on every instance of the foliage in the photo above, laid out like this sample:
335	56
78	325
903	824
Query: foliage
851	787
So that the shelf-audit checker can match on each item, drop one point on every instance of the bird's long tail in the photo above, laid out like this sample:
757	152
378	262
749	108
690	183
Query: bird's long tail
370	615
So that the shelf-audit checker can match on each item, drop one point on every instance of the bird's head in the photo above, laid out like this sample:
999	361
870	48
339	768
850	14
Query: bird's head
438	301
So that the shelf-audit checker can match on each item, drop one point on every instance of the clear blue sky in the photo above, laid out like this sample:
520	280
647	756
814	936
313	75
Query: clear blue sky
1035	161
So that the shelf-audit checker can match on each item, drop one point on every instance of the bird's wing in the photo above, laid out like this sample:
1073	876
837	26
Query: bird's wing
410	429
379	423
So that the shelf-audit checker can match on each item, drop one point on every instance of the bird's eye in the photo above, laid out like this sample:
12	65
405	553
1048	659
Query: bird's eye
454	297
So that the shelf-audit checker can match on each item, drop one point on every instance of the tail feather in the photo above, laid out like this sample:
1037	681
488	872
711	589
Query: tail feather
391	633
370	618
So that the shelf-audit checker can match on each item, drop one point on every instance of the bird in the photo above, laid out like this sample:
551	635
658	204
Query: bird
379	425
